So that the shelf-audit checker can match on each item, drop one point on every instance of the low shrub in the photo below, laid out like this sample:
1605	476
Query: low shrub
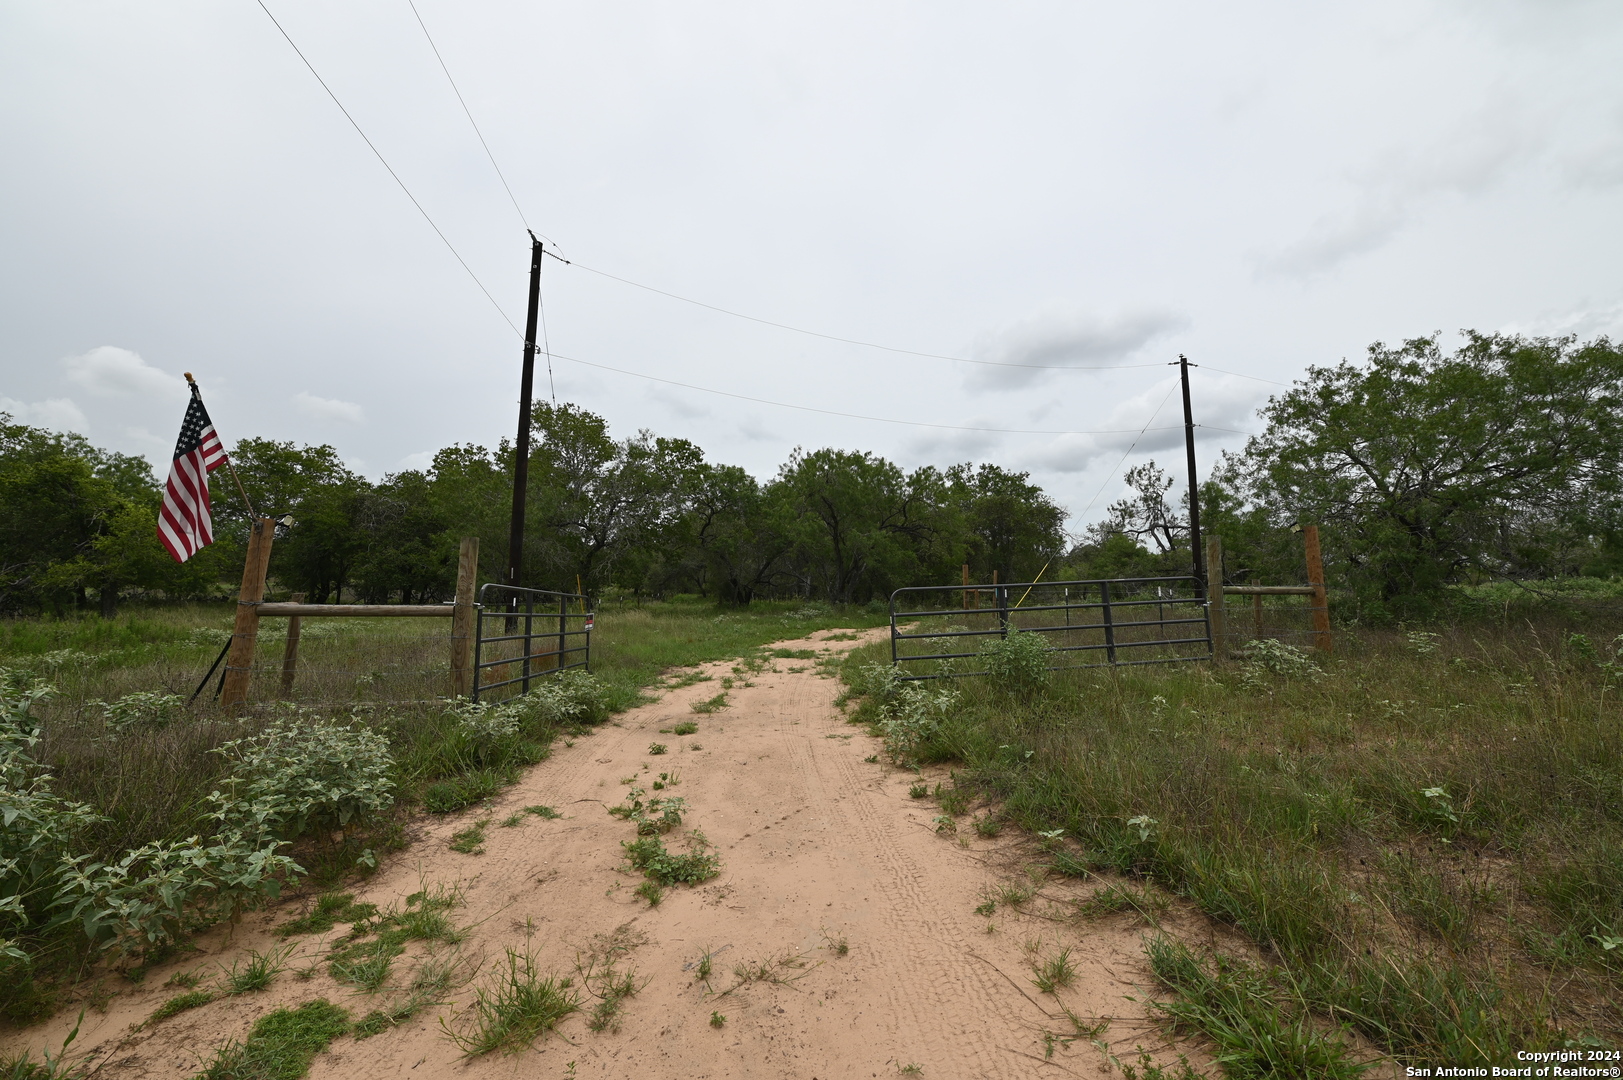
912	718
1017	661
154	894
301	773
147	709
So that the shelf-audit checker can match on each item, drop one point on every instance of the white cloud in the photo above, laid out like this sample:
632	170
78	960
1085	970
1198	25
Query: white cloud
109	371
56	414
421	461
1585	322
1066	340
320	408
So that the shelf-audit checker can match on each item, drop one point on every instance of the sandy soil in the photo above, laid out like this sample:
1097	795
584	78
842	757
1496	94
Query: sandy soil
818	847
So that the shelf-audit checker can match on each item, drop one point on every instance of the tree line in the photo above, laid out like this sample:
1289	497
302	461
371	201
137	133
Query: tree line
644	515
1424	469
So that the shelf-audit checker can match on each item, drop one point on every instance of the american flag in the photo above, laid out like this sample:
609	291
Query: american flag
184	525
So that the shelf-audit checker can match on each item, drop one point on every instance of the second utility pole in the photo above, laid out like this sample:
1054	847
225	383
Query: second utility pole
521	461
1194	486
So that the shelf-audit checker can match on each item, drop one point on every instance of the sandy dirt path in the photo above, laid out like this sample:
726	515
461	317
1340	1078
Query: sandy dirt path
818	846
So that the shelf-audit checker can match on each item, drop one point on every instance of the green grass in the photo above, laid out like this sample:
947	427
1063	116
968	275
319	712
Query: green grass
180	1003
464	790
281	1045
1258	1030
330	909
1050	973
686	727
1425	844
256	972
470	841
710	705
516	1007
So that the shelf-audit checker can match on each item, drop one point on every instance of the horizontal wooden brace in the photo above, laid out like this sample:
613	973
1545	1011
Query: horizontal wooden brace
1269	590
432	611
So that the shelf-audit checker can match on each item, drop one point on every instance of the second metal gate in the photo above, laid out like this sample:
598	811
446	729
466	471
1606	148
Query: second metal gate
528	634
1139	621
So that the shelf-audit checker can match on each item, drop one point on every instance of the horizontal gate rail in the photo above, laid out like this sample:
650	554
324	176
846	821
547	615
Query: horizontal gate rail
555	629
1079	619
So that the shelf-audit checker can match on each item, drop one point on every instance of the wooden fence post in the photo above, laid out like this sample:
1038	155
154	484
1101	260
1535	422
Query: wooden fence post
1215	614
239	661
1321	598
966	587
290	654
462	618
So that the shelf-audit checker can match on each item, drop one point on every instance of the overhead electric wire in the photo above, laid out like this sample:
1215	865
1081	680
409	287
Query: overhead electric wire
449	246
469	113
1133	447
491	156
699	303
846	340
849	416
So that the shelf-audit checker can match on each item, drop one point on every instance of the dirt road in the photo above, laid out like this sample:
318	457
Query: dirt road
843	931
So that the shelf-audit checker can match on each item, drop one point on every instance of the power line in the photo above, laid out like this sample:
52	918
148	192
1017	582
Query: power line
846	340
469	113
449	246
1239	375
1133	447
849	416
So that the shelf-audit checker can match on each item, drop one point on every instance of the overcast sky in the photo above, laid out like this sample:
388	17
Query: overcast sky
1262	186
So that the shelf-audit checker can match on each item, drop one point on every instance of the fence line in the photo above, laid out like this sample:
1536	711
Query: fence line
1125	623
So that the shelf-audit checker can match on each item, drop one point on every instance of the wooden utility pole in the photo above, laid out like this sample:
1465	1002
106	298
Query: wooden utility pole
462	620
1315	578
1194	485
239	661
521	462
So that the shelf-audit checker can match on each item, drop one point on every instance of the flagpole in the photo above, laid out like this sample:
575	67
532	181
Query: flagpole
240	489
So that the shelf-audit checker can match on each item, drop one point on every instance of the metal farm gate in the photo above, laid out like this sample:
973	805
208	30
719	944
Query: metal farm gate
541	633
1100	623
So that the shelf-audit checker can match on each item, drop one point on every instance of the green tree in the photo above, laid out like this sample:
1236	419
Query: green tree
1012	526
741	530
74	518
1502	457
862	526
319	553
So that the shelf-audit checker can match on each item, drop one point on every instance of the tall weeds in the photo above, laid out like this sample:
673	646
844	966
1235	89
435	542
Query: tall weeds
1422	841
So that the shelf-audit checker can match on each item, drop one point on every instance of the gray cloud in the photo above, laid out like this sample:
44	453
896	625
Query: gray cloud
1474	153
1068	339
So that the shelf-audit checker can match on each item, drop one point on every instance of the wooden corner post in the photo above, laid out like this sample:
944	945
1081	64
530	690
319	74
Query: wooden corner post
1321	597
1215	615
462	618
239	661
